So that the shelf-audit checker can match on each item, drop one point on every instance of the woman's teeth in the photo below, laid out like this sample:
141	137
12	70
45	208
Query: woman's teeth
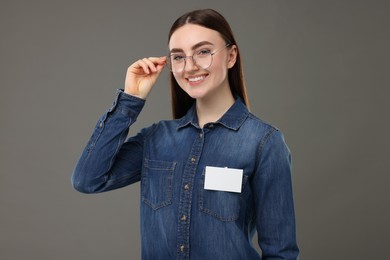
196	79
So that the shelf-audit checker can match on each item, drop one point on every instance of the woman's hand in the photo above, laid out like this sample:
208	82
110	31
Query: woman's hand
142	75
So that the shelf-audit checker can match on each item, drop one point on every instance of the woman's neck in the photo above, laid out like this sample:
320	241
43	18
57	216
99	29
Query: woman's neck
211	109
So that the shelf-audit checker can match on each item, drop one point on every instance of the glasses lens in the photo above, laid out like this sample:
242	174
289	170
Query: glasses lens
176	62
203	59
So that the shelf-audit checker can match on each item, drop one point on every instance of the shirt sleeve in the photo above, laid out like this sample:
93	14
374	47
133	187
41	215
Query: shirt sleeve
108	162
272	184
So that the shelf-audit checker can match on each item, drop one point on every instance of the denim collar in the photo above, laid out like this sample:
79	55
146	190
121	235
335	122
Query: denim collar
232	119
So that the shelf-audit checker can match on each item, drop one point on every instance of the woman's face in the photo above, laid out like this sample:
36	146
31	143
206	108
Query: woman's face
196	81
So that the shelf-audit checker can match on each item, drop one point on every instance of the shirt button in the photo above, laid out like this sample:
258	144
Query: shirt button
183	218
211	126
193	159
200	135
182	247
187	187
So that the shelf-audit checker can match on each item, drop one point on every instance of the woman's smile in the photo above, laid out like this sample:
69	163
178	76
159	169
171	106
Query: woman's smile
196	79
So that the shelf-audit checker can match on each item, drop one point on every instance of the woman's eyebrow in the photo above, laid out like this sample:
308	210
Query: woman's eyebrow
196	46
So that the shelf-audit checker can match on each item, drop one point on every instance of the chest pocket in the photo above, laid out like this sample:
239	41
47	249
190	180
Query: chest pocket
223	205
156	183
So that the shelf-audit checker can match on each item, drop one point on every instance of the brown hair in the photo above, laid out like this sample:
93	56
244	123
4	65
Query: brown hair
213	20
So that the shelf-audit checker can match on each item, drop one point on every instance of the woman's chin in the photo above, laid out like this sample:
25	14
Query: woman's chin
196	94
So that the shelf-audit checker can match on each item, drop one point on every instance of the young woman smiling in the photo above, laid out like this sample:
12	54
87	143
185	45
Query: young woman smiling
211	177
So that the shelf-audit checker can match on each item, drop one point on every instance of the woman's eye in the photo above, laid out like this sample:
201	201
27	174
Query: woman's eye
203	52
177	57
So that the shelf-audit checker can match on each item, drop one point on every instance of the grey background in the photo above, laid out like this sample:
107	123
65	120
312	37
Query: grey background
316	69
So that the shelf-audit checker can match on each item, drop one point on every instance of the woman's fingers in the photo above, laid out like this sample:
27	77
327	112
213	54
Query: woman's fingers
150	64
147	65
142	75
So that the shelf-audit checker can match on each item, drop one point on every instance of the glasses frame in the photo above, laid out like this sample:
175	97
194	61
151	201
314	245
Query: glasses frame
194	60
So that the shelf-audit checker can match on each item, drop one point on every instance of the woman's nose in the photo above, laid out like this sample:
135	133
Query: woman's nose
190	64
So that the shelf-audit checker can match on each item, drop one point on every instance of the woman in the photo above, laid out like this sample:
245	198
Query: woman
212	176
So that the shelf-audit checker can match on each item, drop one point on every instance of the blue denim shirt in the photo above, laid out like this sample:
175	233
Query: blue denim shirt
179	218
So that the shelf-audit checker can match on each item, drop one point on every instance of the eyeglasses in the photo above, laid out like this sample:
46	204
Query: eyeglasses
202	58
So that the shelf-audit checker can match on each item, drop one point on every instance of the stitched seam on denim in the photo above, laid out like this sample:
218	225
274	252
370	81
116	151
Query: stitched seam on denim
100	125
150	131
262	143
168	191
119	144
211	212
163	165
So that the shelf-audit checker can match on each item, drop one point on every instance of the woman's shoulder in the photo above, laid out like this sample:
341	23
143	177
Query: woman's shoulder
264	131
261	123
167	124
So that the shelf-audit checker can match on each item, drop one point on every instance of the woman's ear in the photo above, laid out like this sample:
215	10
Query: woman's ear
232	56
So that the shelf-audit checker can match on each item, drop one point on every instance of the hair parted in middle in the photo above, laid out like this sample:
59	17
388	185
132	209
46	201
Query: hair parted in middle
213	20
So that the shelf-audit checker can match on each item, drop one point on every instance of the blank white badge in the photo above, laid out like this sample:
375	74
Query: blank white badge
223	179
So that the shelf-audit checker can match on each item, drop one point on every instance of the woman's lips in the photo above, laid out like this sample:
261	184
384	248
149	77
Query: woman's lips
196	79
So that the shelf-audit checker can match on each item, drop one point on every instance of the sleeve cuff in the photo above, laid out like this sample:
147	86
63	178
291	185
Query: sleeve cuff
127	104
